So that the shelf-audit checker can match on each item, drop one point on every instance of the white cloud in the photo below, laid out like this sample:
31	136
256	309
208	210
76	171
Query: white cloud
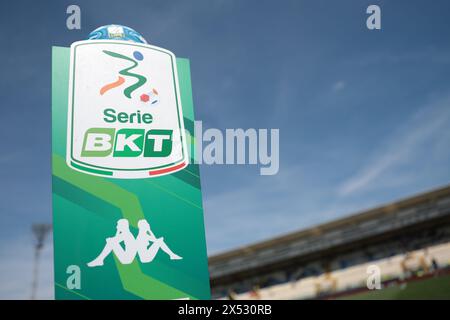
339	86
270	206
423	128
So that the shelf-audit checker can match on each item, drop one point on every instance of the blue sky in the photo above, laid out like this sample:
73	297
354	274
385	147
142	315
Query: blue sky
364	116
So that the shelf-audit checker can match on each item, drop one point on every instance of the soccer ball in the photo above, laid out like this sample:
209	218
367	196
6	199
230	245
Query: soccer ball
151	97
116	32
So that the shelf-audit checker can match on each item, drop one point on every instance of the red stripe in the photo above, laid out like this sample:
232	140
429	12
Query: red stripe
166	170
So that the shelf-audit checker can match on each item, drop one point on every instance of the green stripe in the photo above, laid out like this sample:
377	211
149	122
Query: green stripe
173	194
185	86
84	199
188	177
189	125
106	173
72	291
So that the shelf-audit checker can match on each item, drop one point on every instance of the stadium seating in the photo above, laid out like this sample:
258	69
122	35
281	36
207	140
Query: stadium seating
352	277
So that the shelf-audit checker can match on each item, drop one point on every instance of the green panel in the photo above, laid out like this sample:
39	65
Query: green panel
87	207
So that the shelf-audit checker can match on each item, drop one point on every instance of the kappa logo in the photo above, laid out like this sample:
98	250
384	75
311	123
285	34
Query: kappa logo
123	129
126	247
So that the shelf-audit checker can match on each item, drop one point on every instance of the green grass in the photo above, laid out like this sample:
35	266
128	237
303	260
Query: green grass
433	288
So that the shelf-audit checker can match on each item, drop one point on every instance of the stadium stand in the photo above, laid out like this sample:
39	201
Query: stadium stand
405	239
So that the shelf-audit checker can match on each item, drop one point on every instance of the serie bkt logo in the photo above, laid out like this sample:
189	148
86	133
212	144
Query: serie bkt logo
125	117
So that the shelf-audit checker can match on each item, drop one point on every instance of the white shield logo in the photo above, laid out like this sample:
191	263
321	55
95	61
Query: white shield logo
125	116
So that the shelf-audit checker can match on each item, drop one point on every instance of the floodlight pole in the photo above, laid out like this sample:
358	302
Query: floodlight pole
40	231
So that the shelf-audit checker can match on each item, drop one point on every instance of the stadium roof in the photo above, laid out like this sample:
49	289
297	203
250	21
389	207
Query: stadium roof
368	215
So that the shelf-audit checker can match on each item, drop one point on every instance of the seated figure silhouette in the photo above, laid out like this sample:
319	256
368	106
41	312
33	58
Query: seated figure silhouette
146	245
123	235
